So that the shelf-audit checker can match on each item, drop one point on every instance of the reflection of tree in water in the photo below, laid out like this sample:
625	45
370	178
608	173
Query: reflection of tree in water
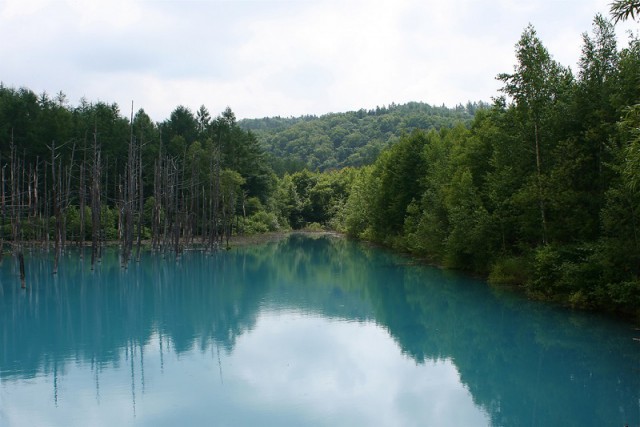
206	299
319	274
518	360
198	301
93	316
525	363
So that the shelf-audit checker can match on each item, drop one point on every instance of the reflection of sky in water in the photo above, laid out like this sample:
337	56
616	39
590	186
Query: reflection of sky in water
291	369
299	332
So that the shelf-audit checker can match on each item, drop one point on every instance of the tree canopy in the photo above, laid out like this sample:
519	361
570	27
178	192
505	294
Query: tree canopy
351	139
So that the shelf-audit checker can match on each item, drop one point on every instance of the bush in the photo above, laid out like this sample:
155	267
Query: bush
547	271
261	222
509	271
626	295
314	226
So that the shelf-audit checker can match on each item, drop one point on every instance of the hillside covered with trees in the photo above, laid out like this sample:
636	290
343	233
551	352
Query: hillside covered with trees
539	190
354	138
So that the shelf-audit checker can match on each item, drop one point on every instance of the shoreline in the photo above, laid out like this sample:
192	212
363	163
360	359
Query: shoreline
234	241
274	236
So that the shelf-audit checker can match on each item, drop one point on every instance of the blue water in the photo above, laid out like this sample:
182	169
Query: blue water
305	331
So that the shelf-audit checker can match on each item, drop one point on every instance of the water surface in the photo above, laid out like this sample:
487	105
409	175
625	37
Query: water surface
306	331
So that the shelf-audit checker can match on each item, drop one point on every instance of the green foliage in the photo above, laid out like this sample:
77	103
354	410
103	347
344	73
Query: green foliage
307	197
510	271
541	191
399	172
625	296
547	270
72	214
108	223
466	246
621	10
356	210
314	226
355	138
261	222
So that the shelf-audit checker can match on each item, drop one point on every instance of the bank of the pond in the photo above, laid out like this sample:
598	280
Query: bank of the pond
234	240
519	287
256	239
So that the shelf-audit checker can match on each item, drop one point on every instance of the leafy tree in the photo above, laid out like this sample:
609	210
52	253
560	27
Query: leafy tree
535	87
427	222
357	217
580	158
288	202
400	172
619	249
621	10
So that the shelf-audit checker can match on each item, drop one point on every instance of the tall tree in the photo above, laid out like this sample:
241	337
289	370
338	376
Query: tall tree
204	119
534	87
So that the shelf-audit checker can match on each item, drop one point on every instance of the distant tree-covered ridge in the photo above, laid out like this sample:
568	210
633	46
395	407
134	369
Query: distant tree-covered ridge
354	138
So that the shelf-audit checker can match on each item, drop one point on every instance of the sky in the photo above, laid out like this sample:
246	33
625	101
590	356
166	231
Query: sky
286	58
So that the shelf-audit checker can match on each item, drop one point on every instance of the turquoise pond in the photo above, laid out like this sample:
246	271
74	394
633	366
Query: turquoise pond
306	331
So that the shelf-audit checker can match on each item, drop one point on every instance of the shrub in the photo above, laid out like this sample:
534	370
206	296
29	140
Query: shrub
509	271
261	222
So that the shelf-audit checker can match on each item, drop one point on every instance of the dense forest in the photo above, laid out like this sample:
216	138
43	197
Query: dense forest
538	190
542	191
355	138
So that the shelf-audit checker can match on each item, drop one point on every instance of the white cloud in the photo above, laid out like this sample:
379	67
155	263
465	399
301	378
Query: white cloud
278	57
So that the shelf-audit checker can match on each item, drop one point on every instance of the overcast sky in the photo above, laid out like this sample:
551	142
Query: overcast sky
278	57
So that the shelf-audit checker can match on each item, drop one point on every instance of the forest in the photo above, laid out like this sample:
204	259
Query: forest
541	192
538	190
354	138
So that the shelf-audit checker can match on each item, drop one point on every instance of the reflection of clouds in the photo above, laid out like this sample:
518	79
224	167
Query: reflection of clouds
348	374
292	369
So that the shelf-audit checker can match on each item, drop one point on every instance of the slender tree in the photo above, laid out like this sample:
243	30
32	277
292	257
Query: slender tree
534	88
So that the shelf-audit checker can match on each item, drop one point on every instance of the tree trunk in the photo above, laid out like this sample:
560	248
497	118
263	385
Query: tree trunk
140	200
56	208
95	201
541	200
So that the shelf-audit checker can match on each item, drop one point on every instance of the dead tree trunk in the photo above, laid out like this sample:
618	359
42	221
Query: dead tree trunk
155	216
140	201
67	195
56	208
81	194
37	216
128	198
95	201
15	211
3	195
